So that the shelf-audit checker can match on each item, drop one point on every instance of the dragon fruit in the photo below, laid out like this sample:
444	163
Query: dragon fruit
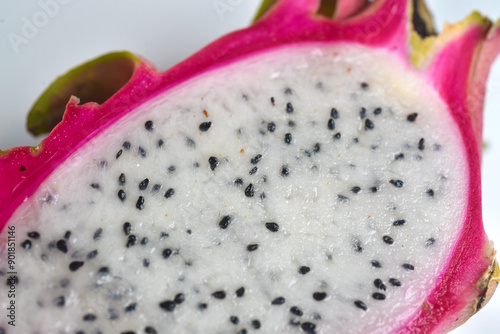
308	174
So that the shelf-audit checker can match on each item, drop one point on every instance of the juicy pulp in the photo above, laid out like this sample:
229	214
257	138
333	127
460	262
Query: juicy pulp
323	223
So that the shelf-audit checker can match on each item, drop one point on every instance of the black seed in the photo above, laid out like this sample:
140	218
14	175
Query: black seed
369	124
319	296
288	91
126	145
130	308
408	266
307	326
62	246
377	111
122	195
60	301
249	191
67	235
205	126
399	222
334	113
149	125
142	152
278	301
127	332
379	284
234	319
343	199
256	324
243	331
285	171
144	184
394	282
179	298
202	306
412	117
271	127
256	159
373	189
156	188
214	162
362	113
121	179
144	241
169	193
163	235
288	138
97	234
26	244
316	148
166	253
168	305
75	265
171	169
399	156
396	183
272	101
297	311
331	124
430	241
378	296
34	235
238	182
113	314
357	245
103	270
421	144
304	270
89	317
219	294
150	330
252	247
253	171
356	190
132	240
21	169
289	108
145	263
291	124
430	192
388	240
190	143
160	143
224	222
127	228
337	135
360	304
364	85
92	254
240	292
273	227
140	203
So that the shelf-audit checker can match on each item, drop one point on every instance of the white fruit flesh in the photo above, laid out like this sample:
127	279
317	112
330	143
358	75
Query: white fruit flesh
324	222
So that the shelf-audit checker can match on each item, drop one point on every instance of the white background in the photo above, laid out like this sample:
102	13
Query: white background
166	32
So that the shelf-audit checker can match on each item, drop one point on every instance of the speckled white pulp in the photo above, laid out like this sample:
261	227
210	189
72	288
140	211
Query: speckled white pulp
307	187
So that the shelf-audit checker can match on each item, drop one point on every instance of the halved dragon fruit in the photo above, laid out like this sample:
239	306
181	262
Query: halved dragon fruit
307	174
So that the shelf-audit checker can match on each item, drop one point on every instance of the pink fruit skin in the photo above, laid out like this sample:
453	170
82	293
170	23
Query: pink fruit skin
457	70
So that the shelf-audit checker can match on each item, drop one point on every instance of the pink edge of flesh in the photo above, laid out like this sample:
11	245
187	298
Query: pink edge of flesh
347	8
290	22
449	303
